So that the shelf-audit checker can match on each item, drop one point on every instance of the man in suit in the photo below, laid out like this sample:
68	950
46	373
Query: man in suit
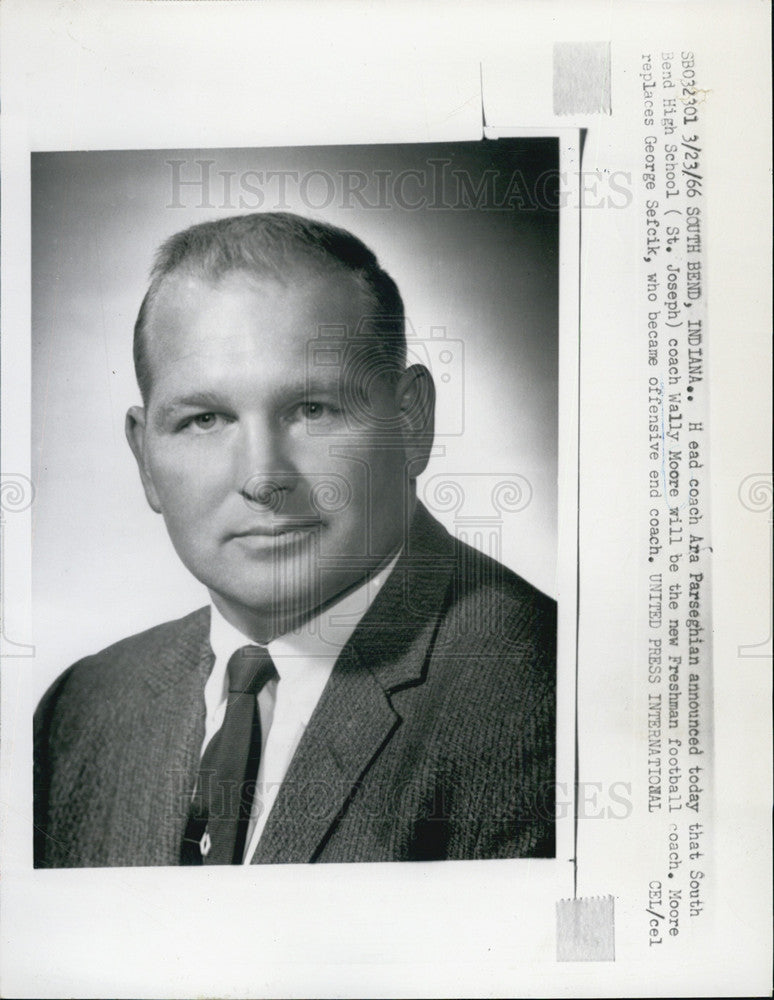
363	687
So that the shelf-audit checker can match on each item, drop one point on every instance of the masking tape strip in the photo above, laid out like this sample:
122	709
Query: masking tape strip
582	78
585	930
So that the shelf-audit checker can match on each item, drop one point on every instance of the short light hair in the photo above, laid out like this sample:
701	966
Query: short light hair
277	245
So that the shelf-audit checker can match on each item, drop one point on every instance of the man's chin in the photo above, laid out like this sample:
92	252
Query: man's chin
265	615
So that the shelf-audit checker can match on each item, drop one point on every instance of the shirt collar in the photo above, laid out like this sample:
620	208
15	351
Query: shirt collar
321	639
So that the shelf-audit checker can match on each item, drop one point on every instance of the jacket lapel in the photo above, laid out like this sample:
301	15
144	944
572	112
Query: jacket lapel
354	719
154	782
351	723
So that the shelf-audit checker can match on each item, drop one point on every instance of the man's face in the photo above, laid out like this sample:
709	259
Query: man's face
280	473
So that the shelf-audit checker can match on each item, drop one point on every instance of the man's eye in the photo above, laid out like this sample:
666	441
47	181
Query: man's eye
203	421
316	411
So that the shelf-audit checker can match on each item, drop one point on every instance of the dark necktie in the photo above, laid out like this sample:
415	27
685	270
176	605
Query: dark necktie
220	810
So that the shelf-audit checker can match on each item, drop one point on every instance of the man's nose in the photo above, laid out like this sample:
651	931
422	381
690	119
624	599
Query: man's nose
264	472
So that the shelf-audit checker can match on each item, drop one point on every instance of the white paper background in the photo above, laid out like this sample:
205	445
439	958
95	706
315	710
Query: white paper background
205	74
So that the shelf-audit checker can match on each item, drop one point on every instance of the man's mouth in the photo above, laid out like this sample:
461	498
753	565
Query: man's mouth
278	529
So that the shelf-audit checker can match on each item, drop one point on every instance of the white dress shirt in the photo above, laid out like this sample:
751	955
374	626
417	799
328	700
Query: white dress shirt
304	660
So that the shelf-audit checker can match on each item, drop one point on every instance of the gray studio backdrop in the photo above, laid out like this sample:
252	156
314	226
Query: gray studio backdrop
468	230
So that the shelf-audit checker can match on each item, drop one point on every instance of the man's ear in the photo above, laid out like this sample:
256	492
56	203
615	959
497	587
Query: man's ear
135	435
416	402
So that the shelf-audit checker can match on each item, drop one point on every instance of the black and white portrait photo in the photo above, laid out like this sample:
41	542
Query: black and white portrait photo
295	549
386	499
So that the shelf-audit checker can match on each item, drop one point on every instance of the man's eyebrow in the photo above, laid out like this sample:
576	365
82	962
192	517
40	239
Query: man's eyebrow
329	382
193	400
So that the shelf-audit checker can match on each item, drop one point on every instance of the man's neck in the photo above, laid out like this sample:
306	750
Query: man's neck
265	627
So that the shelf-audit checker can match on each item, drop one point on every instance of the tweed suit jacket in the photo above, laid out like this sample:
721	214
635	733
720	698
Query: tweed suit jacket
434	737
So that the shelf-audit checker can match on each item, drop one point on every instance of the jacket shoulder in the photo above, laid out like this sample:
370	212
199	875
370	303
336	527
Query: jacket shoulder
498	635
93	718
483	582
118	663
484	600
